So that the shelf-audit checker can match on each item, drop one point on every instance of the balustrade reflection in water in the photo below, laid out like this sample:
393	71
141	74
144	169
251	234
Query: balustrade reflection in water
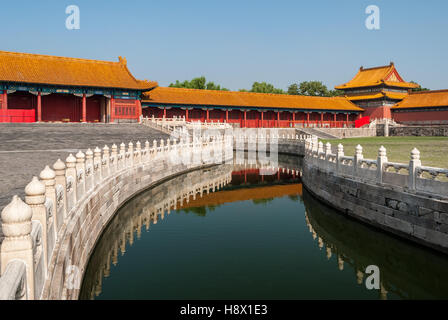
347	246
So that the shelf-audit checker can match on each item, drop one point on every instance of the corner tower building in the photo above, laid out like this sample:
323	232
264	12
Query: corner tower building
376	90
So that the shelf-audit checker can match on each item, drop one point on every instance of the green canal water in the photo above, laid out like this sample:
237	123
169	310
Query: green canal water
260	236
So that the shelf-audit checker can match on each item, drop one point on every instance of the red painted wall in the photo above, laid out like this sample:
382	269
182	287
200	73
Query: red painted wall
93	109
57	107
426	117
378	112
22	100
126	109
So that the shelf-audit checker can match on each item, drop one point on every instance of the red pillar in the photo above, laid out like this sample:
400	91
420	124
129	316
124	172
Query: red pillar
227	115
112	109
186	114
164	112
308	119
208	115
5	100
334	120
262	125
278	119
347	117
245	123
138	106
39	107
321	118
84	108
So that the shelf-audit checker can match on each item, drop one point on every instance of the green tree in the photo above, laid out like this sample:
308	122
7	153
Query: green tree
335	93
293	89
197	83
263	87
313	88
419	88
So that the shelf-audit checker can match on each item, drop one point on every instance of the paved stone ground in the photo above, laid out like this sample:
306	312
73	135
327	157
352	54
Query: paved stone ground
25	149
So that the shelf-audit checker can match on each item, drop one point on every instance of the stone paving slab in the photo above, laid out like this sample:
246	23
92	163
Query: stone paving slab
25	149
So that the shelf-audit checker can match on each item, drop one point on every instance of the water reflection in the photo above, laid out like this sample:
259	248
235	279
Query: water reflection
259	226
407	271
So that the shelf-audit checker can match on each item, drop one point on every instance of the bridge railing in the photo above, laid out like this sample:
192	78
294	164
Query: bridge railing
412	176
57	205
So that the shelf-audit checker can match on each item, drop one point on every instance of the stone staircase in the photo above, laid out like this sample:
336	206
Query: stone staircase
317	132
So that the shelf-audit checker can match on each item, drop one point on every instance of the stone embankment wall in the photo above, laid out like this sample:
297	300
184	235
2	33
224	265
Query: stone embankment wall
46	241
409	200
421	131
342	133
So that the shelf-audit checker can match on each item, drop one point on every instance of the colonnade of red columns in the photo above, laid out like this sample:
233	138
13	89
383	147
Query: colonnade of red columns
244	119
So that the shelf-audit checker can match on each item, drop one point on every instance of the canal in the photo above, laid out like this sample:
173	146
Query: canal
245	231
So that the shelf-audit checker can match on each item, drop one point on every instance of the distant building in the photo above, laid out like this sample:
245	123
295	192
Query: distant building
376	90
422	108
248	109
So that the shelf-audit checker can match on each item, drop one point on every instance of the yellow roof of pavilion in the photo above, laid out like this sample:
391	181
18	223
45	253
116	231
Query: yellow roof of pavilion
424	99
371	77
378	95
51	70
181	96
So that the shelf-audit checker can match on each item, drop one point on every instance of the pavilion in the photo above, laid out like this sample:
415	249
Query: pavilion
376	90
48	88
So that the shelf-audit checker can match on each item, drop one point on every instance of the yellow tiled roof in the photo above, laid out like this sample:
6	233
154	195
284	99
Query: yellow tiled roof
378	95
376	76
422	99
52	70
181	96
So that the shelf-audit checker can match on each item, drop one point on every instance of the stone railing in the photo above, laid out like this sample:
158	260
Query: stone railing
181	124
46	241
409	200
411	177
145	211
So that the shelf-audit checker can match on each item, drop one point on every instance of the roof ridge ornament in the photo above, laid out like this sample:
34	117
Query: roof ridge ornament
122	60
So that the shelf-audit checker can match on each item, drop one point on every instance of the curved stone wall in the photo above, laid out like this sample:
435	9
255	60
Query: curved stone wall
53	232
409	200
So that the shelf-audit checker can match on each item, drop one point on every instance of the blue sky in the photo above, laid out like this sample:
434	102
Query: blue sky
235	43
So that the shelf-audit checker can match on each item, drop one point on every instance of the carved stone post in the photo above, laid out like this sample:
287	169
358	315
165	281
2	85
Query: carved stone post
17	244
89	170
327	155
147	148
105	170
414	164
339	156
47	177
114	159
122	161
61	193
130	159
80	175
97	164
138	155
162	146
382	159
35	198
358	157
70	175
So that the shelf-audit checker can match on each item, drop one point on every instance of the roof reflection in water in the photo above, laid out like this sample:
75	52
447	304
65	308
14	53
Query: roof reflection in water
191	192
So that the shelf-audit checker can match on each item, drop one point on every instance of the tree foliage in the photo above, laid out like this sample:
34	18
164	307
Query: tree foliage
263	87
419	88
312	88
197	83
